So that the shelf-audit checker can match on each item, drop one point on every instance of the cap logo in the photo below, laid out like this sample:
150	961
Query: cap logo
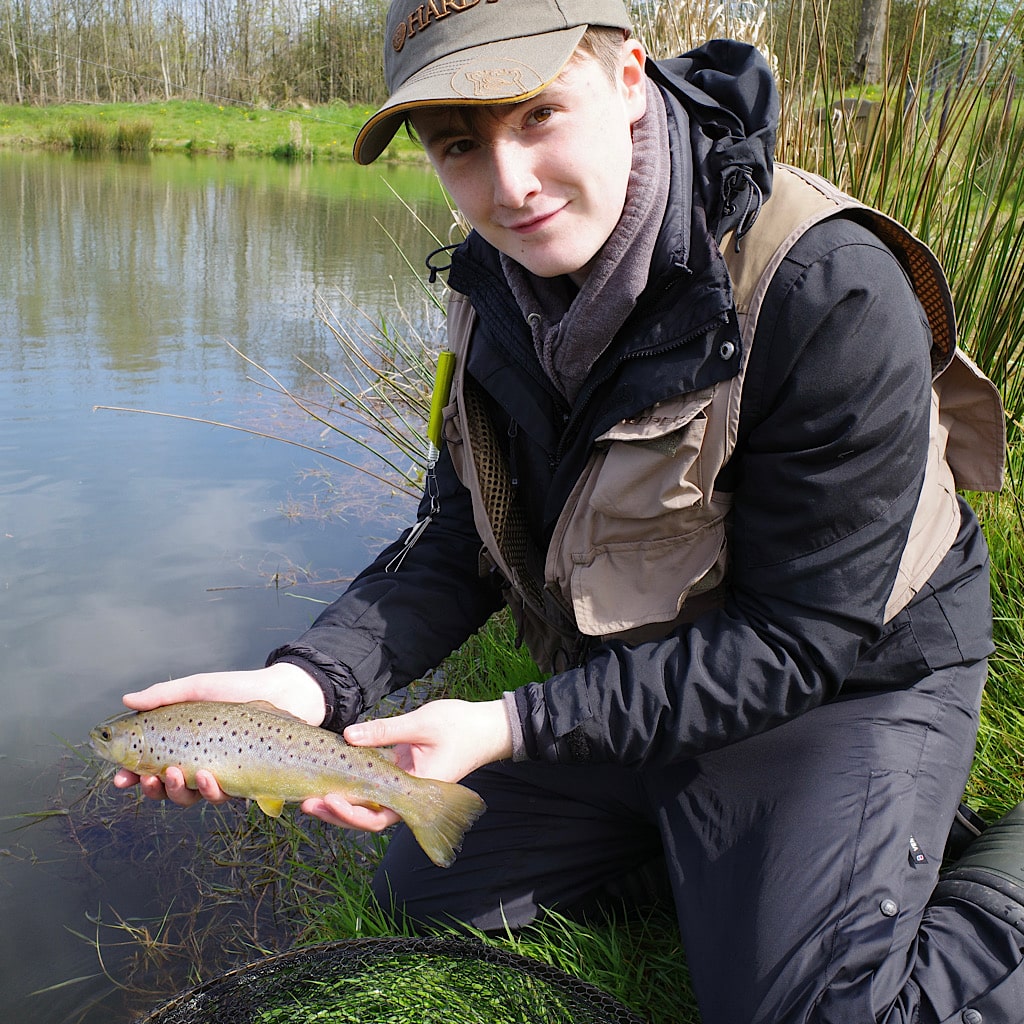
481	80
424	15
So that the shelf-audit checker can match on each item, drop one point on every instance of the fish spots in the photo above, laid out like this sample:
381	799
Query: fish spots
252	747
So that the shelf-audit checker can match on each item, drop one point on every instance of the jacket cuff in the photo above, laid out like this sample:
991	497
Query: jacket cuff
508	699
540	742
342	697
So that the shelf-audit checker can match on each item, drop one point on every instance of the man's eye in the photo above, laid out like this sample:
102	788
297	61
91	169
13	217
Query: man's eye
541	114
458	147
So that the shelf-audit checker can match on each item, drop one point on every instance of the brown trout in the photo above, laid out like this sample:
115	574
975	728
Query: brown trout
260	753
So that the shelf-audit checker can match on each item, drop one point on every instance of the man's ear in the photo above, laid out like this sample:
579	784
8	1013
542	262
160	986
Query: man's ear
633	78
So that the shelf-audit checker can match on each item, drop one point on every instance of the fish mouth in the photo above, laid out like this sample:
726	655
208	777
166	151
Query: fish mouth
101	736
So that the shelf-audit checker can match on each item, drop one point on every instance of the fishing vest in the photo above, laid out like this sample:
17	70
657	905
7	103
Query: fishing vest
642	542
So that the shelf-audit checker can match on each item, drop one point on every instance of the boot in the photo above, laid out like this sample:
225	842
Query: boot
990	873
966	827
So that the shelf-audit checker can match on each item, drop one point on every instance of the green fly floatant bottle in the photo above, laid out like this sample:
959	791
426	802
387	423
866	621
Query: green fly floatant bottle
443	377
444	374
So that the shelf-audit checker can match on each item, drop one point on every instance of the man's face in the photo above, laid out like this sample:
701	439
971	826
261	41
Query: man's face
544	181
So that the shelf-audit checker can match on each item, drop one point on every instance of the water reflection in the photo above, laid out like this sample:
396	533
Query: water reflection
134	548
125	257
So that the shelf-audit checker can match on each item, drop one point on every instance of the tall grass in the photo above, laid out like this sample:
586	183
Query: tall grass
90	135
997	779
133	136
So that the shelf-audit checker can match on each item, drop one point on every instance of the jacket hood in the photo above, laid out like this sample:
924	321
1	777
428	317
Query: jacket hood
728	92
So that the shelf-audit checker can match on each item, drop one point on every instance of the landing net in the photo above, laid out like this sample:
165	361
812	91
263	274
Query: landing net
395	981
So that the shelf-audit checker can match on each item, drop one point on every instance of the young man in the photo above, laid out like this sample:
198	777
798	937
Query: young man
695	432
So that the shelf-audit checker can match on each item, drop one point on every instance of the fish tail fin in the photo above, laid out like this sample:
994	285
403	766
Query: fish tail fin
440	821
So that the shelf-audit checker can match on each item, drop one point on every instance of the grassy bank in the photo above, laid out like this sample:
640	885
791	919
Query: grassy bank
186	126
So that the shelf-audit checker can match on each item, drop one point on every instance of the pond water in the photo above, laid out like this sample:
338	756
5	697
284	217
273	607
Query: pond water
133	547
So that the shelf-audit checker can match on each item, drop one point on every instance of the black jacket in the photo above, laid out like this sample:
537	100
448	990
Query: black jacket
828	466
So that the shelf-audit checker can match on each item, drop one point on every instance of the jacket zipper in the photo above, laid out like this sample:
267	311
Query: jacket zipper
588	391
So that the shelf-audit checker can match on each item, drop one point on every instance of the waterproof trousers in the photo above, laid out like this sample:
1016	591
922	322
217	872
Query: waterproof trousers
802	863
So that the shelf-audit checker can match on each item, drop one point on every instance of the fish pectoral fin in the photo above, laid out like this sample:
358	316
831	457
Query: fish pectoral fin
272	806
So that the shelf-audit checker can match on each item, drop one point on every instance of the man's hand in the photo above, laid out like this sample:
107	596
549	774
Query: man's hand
443	739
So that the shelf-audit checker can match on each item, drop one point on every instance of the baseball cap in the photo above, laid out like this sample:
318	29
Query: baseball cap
475	52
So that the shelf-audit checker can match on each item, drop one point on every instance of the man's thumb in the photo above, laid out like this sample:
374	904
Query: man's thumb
374	733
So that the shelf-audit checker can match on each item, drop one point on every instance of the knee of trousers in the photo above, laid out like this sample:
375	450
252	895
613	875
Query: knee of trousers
413	892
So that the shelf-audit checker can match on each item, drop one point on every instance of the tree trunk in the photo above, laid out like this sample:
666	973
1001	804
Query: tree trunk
866	68
14	53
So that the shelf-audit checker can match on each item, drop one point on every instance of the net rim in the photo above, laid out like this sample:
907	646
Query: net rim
348	949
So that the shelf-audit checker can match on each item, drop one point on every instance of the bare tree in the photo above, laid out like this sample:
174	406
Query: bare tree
248	51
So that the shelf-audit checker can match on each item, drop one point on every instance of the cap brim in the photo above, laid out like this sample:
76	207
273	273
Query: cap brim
475	76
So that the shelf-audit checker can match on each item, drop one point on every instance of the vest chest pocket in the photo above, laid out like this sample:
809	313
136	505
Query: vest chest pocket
642	529
650	464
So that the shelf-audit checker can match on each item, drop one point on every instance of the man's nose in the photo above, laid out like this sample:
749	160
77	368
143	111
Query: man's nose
513	173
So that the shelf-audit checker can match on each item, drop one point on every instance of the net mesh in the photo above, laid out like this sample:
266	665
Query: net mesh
395	981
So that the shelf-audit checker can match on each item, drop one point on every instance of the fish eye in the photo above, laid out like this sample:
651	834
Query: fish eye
105	733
